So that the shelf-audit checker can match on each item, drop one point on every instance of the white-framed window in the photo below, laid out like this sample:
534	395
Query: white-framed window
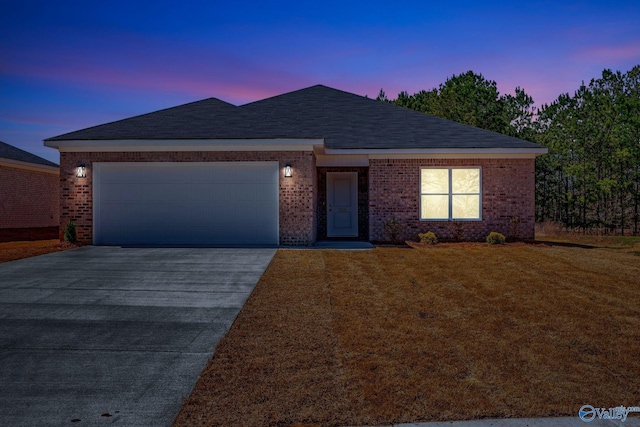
450	193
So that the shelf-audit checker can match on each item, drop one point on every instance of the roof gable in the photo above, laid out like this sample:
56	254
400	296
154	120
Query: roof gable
344	120
206	119
14	153
349	121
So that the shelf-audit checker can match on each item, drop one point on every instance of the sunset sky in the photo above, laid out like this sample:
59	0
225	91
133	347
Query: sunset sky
72	64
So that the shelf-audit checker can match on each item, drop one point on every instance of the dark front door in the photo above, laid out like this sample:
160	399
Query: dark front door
342	204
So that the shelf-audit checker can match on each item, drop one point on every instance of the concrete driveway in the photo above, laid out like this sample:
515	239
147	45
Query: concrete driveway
110	335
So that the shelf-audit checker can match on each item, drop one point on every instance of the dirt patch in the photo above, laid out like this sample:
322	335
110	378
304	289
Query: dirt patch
11	251
403	335
28	234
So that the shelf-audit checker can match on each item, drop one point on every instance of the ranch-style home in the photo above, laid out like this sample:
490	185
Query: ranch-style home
313	164
29	193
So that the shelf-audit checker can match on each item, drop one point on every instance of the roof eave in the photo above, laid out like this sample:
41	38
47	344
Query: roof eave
520	152
257	144
29	166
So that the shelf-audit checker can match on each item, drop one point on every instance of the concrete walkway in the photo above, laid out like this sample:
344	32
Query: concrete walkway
531	422
108	335
345	245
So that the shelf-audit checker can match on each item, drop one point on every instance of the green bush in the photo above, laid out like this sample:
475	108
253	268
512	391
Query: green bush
70	232
428	237
495	238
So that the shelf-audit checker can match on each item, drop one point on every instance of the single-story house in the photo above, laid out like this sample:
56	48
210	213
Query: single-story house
29	192
313	164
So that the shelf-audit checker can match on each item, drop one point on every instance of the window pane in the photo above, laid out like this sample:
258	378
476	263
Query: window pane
465	207
435	207
435	181
465	180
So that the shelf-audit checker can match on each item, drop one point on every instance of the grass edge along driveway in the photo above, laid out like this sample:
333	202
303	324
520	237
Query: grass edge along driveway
451	332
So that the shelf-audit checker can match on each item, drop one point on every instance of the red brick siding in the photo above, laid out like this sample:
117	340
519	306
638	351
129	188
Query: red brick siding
507	192
28	198
297	194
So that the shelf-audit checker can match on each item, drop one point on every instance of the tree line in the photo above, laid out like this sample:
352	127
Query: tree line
590	179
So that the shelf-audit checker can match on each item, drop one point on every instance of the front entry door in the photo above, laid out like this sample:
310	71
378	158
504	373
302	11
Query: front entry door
342	204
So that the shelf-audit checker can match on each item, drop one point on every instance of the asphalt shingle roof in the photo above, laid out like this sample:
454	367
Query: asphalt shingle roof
207	119
14	153
344	120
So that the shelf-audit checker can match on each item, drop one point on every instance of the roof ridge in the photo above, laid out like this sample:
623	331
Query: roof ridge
138	116
319	85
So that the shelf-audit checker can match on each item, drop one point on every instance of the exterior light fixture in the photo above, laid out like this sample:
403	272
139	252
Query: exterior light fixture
81	171
287	171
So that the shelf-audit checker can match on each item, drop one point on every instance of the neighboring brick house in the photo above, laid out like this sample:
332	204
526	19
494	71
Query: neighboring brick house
29	192
309	165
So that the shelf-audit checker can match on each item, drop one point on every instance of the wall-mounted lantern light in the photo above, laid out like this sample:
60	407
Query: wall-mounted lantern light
287	171
81	171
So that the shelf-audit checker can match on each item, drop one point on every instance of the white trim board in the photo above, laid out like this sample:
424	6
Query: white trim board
444	153
186	145
340	160
29	166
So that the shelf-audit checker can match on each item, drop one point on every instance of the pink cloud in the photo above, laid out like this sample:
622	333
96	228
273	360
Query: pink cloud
144	65
36	120
609	53
235	89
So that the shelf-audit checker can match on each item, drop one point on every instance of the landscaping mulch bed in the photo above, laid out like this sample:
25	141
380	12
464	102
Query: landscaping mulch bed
28	234
11	251
449	332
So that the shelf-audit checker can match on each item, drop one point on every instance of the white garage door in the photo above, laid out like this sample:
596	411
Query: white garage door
185	203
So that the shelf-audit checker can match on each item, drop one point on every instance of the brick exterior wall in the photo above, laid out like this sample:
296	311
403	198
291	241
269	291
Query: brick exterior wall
28	198
298	214
508	191
390	189
363	201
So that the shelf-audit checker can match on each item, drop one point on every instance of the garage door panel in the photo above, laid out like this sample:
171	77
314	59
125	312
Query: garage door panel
200	192
119	213
116	175
262	220
262	192
248	192
155	192
190	203
114	192
200	216
244	212
228	192
110	193
130	193
198	175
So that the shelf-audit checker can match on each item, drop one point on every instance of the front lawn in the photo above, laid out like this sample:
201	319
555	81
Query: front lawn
450	332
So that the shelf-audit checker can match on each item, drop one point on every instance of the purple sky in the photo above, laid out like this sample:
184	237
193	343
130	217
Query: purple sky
72	64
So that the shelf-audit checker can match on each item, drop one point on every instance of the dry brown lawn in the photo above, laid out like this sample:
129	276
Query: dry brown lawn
11	251
450	332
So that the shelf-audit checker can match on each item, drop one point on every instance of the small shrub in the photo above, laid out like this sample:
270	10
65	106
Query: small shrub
70	232
392	229
428	237
495	238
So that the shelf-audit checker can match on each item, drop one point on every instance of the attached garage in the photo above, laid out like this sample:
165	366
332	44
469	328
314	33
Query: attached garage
310	164
220	203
